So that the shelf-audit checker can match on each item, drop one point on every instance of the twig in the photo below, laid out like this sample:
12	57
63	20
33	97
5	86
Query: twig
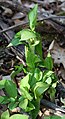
52	105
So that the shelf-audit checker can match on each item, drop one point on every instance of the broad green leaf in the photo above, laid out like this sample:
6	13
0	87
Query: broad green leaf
23	104
25	82
2	84
12	105
48	63
18	116
33	17
5	115
10	88
27	34
40	88
26	93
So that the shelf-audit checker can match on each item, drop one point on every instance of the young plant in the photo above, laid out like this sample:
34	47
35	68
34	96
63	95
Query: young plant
39	76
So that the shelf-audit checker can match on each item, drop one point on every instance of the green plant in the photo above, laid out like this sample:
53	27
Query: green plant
54	117
5	115
39	77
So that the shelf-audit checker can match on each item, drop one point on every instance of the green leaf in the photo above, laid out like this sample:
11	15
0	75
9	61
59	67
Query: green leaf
2	84
10	88
30	107
52	117
25	82
33	17
52	92
31	59
34	112
37	76
18	116
47	74
48	63
27	34
12	105
63	117
16	40
5	115
1	99
23	104
26	93
38	48
48	80
40	88
4	99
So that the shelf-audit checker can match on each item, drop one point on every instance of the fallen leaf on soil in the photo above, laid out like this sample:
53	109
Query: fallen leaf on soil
57	53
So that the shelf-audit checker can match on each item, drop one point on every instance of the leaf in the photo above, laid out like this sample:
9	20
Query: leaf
30	107
10	88
12	105
18	116
33	17
48	80
16	40
27	34
34	112
48	63
47	74
63	117
38	48
52	117
5	115
52	92
2	84
23	104
37	76
26	93
31	59
1	99
40	88
4	99
25	82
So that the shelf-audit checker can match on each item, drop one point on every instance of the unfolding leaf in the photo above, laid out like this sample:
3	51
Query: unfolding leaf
33	17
